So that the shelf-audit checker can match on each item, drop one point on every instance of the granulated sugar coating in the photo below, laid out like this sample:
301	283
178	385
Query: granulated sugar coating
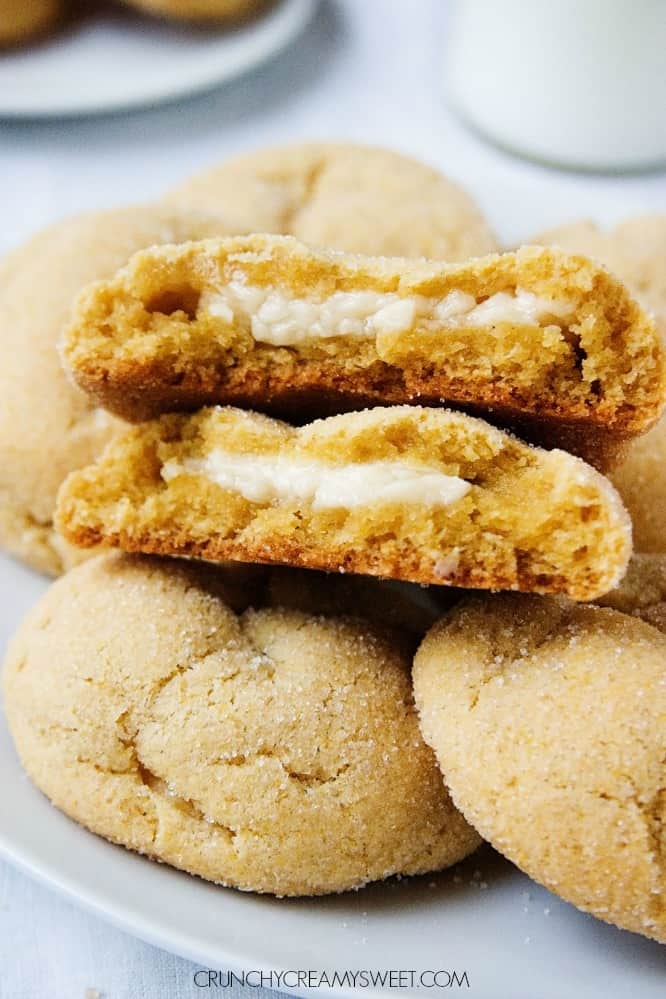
565	708
276	751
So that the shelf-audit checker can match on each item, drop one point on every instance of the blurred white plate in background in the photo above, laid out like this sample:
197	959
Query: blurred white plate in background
118	60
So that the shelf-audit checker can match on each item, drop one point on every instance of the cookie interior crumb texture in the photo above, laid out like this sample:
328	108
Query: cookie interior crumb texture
268	749
565	706
408	493
635	250
547	340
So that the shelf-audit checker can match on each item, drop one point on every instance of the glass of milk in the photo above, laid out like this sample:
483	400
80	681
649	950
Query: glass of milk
580	83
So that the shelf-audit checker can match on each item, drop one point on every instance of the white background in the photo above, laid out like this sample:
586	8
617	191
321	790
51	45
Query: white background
365	70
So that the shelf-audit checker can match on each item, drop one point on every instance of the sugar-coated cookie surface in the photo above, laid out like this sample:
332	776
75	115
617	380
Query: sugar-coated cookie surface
565	708
20	20
642	592
539	339
47	426
423	495
356	198
199	10
269	749
636	251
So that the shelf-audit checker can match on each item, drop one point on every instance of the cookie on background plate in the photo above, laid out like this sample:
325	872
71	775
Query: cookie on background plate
565	706
200	10
21	20
423	495
636	251
542	341
272	750
360	199
48	427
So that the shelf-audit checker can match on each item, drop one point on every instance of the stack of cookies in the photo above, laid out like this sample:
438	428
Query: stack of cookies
326	450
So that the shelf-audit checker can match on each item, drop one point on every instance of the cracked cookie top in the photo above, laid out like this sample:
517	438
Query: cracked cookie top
268	748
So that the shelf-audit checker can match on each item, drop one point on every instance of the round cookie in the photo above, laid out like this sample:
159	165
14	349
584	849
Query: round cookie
199	10
636	251
642	592
565	708
346	197
48	427
275	751
23	19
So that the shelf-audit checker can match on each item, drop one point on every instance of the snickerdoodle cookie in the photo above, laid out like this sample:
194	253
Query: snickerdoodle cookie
549	721
546	342
636	251
423	495
355	198
47	426
270	750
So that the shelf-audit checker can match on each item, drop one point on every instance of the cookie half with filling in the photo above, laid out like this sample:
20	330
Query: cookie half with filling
549	343
424	495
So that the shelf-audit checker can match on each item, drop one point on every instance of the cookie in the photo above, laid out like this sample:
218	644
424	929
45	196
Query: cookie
199	10
21	20
565	708
47	426
355	198
642	591
423	495
540	339
275	751
636	251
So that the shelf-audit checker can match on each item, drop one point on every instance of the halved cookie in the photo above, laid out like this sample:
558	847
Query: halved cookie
549	721
267	749
418	494
547	342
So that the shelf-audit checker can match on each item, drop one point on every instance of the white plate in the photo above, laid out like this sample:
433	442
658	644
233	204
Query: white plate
116	60
512	938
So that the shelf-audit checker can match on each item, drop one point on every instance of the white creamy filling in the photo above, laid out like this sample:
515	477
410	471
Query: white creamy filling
269	478
282	321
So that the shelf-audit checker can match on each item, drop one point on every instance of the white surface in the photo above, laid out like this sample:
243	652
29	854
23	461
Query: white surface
366	77
116	59
518	69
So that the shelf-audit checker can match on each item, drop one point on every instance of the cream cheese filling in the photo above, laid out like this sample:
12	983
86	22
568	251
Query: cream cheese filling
280	320
277	478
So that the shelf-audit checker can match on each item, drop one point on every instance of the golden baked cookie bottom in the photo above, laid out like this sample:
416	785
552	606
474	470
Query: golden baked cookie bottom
538	338
424	495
